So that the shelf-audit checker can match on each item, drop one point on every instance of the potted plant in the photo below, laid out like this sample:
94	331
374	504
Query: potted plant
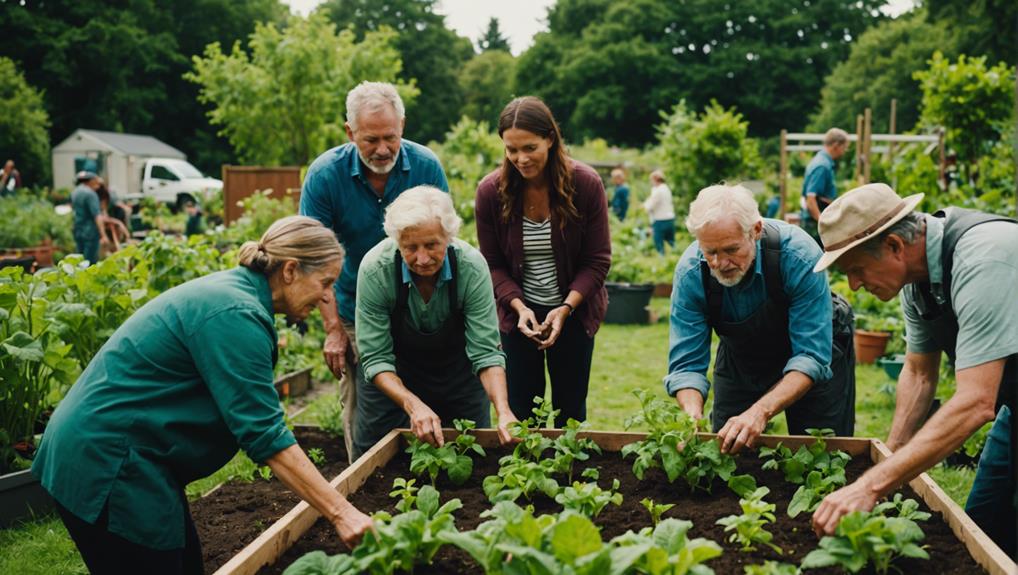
871	336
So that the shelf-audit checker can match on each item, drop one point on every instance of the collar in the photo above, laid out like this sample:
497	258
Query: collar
403	163
444	274
261	284
934	248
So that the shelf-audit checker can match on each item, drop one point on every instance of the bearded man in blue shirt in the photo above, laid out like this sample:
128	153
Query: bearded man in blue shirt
348	189
785	341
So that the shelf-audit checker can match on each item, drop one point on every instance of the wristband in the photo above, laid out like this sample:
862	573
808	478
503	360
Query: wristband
570	306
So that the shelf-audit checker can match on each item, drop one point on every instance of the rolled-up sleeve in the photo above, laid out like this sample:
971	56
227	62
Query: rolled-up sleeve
373	318
481	320
232	350
689	335
809	318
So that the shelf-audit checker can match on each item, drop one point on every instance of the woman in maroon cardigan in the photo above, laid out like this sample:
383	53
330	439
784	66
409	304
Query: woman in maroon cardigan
542	224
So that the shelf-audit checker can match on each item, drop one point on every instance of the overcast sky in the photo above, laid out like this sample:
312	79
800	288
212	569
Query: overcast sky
519	20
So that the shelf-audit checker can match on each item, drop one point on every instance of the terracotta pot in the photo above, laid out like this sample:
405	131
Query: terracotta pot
869	345
662	290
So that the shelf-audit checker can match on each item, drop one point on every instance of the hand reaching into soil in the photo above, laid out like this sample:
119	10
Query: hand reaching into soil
352	525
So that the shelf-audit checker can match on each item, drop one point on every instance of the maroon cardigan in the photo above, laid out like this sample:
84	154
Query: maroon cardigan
582	248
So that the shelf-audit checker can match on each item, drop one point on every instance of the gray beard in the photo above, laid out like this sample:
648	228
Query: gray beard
381	171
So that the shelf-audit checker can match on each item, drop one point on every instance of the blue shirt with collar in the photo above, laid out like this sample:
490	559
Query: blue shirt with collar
809	313
338	194
444	274
819	180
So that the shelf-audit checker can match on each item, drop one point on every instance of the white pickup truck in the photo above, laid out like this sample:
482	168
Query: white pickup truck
167	180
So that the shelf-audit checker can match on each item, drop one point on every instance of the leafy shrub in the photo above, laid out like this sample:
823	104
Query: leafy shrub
703	150
28	221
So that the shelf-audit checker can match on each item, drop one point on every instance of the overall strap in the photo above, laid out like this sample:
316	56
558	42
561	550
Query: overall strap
402	292
957	221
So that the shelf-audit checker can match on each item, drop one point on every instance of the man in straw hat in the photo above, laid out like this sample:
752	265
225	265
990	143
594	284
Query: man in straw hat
786	344
957	271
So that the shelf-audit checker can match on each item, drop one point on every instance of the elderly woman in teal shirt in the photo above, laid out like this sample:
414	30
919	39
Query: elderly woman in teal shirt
171	396
427	328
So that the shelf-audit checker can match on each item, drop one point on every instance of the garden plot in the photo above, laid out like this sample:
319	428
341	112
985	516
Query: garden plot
725	531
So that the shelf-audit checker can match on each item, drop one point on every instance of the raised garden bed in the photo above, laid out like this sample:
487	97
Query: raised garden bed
21	497
233	514
954	543
294	384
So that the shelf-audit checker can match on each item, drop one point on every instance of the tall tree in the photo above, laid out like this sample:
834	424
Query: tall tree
981	27
487	84
493	39
23	125
432	56
620	63
284	103
879	69
118	65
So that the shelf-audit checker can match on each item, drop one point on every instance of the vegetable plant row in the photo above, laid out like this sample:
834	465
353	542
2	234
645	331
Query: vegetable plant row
669	504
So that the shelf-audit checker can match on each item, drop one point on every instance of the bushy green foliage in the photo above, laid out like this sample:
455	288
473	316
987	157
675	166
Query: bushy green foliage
588	498
817	471
27	221
487	81
282	102
471	150
705	149
972	101
771	568
23	126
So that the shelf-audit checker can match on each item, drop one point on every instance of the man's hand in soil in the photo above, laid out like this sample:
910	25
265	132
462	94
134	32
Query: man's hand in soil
858	496
352	525
742	430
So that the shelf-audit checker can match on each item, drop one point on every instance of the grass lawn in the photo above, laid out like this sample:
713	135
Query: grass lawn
626	358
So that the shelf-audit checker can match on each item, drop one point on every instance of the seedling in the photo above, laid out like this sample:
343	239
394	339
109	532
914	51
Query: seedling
588	498
452	457
265	472
748	529
656	509
771	568
316	455
405	490
904	508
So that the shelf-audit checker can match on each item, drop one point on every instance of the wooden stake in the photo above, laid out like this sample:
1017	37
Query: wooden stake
868	131
858	148
891	128
783	175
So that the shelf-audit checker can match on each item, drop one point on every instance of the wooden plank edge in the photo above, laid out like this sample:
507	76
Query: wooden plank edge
985	552
268	547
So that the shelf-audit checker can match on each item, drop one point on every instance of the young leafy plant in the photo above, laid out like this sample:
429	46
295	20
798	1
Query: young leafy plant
656	510
588	498
316	455
816	470
452	457
405	490
518	477
570	448
748	529
809	495
669	430
904	508
863	539
771	568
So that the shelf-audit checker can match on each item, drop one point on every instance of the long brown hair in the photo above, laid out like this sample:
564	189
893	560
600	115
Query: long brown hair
531	114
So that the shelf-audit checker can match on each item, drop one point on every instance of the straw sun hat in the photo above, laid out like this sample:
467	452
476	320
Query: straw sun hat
859	215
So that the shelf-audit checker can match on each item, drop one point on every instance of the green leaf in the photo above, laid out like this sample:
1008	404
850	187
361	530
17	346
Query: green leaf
459	472
801	501
575	536
428	500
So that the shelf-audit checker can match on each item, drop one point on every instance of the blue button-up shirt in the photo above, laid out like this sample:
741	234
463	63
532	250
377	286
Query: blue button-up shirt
819	180
337	194
809	314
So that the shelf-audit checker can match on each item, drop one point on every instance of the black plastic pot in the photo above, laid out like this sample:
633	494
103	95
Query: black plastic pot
628	303
21	496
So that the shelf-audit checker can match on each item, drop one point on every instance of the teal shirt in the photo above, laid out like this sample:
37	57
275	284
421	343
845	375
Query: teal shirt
983	281
376	300
85	204
175	391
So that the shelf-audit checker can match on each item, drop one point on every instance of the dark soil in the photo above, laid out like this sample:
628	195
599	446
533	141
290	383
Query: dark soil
235	514
794	536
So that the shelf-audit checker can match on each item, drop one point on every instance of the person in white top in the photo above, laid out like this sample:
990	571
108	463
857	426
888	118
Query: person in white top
659	209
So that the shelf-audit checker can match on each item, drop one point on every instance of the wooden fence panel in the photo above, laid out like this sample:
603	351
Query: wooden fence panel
240	182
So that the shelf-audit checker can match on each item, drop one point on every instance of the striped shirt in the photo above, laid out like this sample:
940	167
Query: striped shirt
540	281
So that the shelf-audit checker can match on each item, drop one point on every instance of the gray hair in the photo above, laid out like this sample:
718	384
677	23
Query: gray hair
299	238
418	206
907	228
716	202
370	97
835	136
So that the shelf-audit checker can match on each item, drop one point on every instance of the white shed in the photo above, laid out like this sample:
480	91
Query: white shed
118	158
